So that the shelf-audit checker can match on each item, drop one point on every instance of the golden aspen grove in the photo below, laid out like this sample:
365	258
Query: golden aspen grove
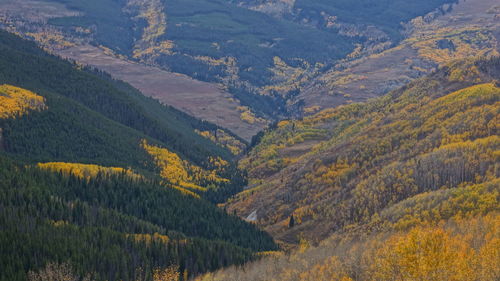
16	101
86	171
181	174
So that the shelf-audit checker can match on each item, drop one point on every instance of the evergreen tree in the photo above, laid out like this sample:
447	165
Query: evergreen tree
291	223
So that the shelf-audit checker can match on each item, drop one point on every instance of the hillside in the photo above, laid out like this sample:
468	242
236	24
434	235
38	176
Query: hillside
97	179
381	18
113	227
257	61
250	140
206	101
402	187
460	249
345	165
108	118
466	29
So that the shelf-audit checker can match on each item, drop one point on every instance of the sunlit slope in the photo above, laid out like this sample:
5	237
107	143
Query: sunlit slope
16	101
462	248
342	166
86	171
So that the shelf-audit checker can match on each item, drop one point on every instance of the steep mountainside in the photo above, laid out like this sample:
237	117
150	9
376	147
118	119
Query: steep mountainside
343	166
90	118
381	18
107	181
206	101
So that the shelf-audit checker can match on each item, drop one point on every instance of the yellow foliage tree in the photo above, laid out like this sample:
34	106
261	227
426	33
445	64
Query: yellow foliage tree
170	273
223	139
180	173
86	171
424	254
16	101
489	260
148	238
332	269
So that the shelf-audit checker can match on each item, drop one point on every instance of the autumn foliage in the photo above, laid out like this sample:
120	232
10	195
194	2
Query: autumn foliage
86	171
15	101
342	166
181	174
460	249
403	187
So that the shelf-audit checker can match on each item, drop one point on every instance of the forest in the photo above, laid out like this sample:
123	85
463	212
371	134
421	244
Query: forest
108	118
87	187
437	132
111	226
402	187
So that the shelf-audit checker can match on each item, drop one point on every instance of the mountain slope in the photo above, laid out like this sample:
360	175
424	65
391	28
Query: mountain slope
113	227
467	29
344	165
462	248
380	18
80	184
90	118
96	93
261	60
402	187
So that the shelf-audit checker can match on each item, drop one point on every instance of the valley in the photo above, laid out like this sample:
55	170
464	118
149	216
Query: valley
206	101
298	88
259	140
200	99
247	93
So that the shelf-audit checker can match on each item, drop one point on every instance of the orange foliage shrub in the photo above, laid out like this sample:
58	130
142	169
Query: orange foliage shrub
460	249
332	269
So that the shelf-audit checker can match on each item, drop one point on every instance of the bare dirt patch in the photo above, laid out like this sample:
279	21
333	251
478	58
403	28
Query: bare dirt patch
200	99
